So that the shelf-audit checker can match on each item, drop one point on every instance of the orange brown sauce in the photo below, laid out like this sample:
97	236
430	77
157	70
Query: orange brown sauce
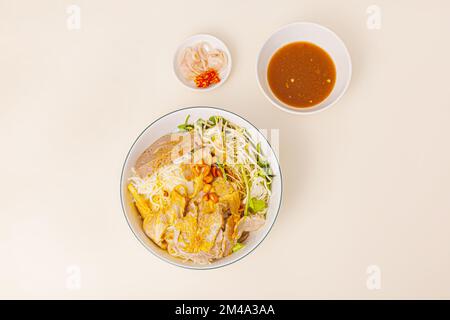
301	74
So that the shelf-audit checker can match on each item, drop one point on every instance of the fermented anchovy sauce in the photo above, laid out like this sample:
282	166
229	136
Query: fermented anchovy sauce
301	74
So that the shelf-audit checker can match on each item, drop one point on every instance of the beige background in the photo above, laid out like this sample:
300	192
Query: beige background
366	182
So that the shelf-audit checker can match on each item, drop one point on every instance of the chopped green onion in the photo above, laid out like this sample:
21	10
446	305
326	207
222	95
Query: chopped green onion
238	246
257	205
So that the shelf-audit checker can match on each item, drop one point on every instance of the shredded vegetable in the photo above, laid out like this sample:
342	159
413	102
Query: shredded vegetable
239	158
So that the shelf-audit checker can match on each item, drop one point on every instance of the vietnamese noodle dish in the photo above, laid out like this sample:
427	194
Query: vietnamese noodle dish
203	190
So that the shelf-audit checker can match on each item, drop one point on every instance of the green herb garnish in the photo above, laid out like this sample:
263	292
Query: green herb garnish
261	162
247	189
238	246
256	205
222	169
186	126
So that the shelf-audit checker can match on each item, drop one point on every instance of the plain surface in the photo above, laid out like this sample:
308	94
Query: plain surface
366	182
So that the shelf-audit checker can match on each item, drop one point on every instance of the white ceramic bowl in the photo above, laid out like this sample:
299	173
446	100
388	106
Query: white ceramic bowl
320	36
215	43
167	124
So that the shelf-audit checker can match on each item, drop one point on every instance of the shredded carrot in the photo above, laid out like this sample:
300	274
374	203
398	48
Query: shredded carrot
207	78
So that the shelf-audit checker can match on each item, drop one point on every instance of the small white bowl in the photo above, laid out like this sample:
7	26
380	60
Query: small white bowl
167	124
215	43
320	36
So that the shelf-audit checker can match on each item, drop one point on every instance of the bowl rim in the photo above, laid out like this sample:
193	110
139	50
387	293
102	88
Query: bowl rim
207	266
310	110
227	71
